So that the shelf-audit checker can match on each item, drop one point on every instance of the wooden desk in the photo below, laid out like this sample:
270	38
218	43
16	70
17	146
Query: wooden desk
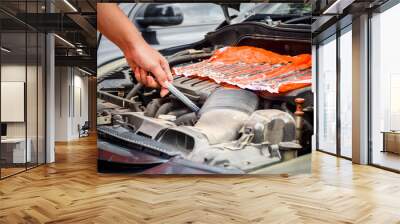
391	141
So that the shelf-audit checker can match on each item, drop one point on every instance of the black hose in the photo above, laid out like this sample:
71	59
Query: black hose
152	107
186	119
165	108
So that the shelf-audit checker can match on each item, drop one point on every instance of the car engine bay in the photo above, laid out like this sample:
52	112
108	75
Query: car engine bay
236	130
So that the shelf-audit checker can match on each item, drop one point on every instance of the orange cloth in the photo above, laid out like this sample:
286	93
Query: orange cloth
253	68
250	55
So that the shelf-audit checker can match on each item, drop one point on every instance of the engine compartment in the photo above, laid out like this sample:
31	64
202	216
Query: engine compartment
235	131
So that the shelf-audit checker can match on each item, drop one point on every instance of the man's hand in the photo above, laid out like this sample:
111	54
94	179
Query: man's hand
142	59
150	67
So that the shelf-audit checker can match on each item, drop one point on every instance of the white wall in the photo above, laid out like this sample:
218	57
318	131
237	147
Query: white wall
62	81
80	110
33	126
12	73
71	102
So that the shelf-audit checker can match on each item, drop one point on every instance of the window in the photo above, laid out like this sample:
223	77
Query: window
327	95
22	76
15	146
346	93
385	89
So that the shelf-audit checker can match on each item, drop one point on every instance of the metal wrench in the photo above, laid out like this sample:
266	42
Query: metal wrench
174	91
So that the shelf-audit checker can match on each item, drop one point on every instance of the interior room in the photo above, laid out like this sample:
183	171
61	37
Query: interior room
42	77
49	94
23	95
335	66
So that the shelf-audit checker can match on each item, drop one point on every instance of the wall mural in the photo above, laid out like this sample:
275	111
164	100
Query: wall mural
239	100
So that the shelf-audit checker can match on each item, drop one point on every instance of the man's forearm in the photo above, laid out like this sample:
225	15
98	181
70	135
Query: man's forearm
117	27
149	66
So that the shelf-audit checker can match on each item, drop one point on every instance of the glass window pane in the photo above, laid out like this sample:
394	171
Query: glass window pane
32	85
41	99
31	97
346	94
13	86
385	84
23	85
327	96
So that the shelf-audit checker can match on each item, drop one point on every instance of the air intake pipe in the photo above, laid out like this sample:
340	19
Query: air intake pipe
224	113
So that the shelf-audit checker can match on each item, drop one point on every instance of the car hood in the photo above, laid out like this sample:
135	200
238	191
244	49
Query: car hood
253	12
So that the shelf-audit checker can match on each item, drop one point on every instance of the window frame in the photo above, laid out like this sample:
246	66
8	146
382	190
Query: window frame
334	36
380	9
43	50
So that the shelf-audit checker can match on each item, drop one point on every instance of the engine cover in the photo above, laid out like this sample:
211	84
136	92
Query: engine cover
196	89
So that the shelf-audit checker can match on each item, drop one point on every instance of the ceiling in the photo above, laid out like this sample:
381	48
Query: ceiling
74	22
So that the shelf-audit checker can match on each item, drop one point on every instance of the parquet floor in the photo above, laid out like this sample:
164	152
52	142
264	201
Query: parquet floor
71	191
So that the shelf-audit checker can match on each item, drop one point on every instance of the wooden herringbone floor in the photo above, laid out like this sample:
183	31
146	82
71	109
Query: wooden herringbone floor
71	191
